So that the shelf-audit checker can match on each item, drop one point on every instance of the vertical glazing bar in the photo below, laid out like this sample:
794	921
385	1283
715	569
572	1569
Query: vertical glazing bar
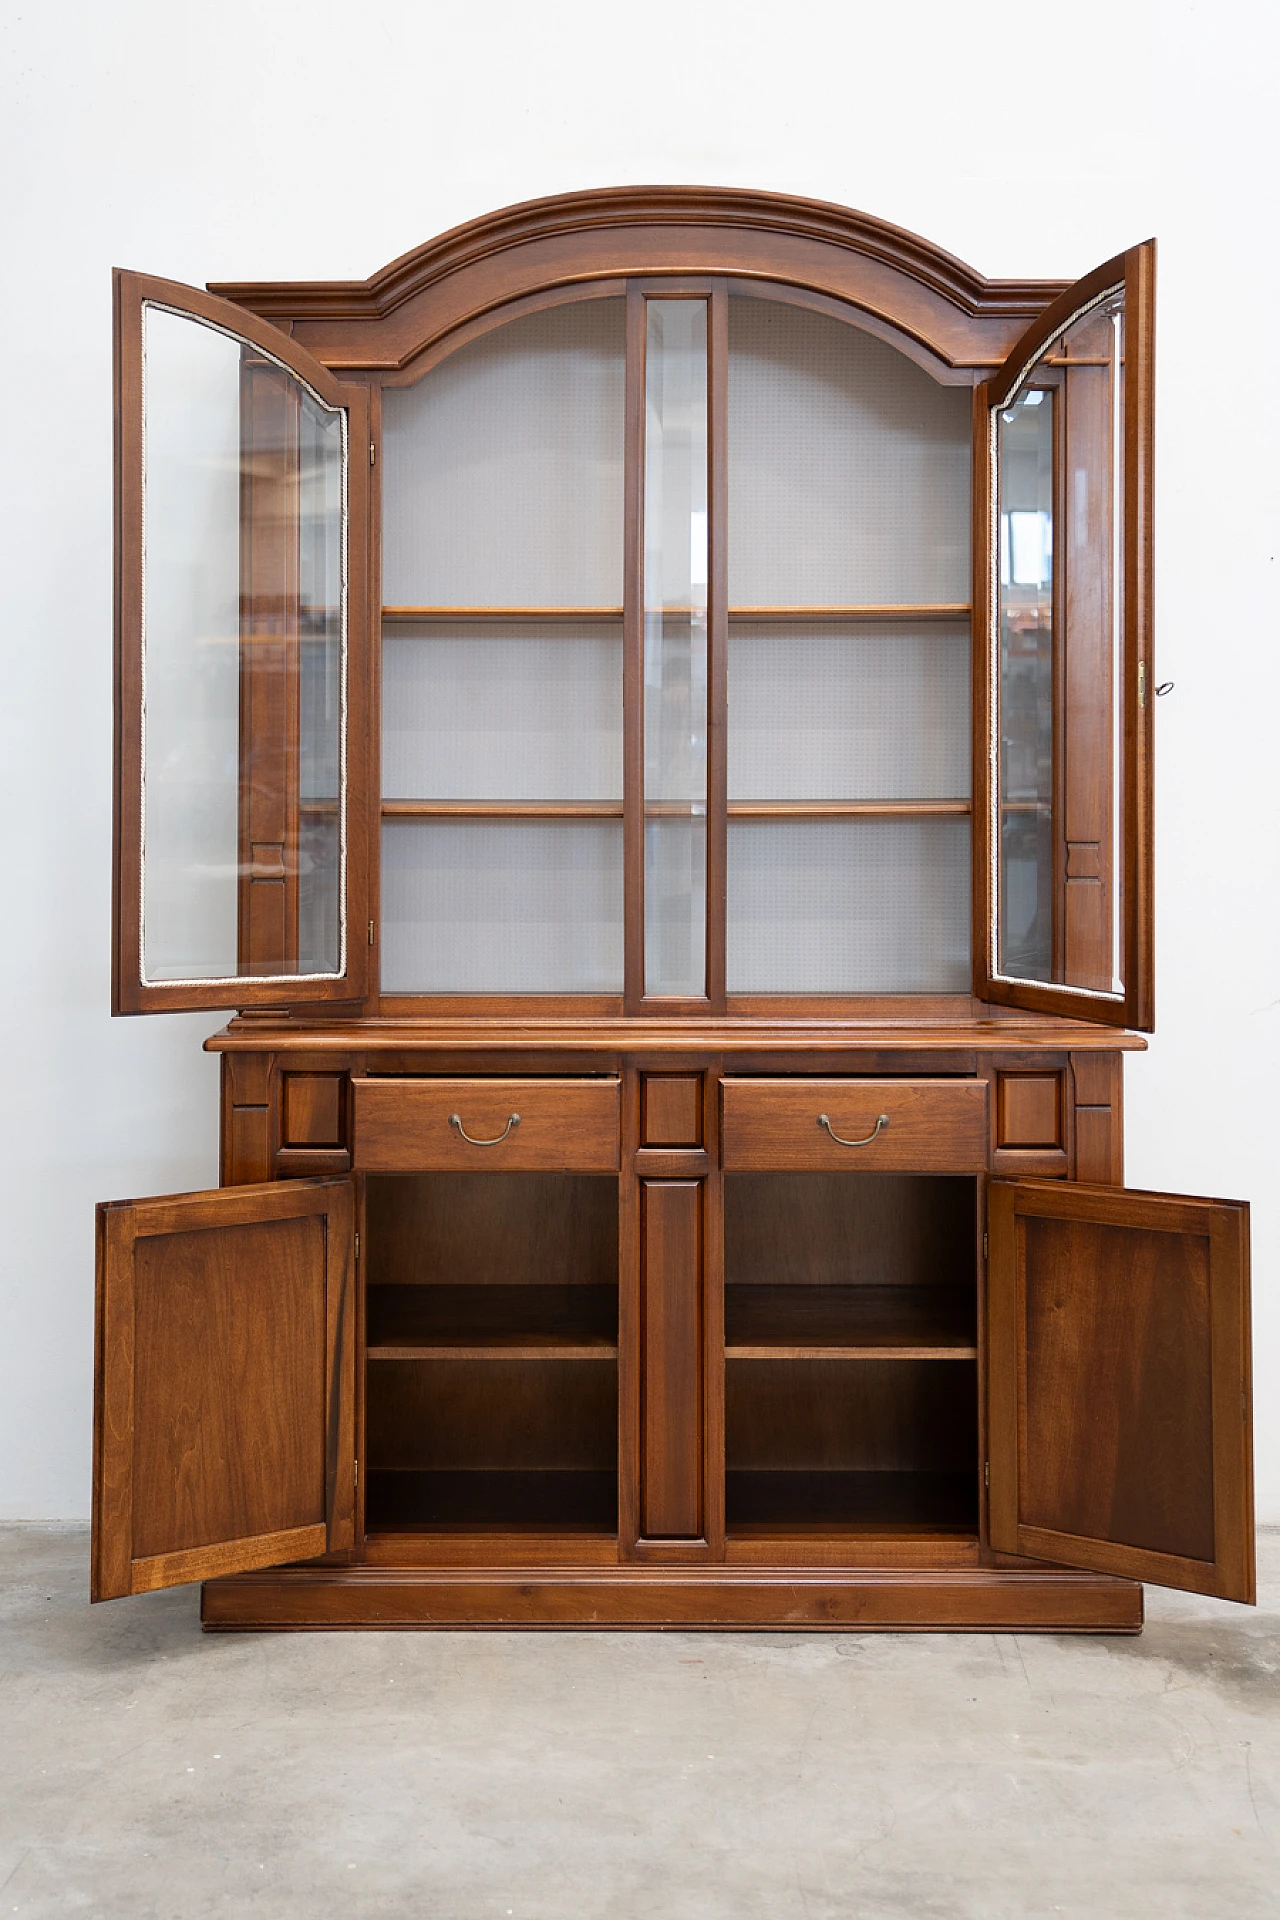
676	553
633	657
718	649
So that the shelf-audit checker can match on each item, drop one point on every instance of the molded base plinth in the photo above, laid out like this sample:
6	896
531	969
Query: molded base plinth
796	1599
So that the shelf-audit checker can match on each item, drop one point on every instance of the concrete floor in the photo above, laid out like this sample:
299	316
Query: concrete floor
147	1770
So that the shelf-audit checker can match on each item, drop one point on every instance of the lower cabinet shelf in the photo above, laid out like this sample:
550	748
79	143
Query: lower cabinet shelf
784	1503
479	1499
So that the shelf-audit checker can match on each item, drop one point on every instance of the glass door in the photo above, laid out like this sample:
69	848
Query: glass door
240	543
1063	495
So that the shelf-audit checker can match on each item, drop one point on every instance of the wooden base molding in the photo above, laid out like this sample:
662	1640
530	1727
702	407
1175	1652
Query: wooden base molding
981	1600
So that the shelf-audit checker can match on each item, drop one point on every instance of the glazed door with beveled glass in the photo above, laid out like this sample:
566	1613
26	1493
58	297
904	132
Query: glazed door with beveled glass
1062	631
241	509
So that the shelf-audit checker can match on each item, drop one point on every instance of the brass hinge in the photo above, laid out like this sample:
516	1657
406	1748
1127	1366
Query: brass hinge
357	1246
372	453
986	1473
355	1473
371	933
1142	683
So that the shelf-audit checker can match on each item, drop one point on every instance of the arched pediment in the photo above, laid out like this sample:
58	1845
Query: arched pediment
901	283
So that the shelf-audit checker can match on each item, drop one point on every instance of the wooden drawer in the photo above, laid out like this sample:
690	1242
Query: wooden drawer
932	1126
409	1126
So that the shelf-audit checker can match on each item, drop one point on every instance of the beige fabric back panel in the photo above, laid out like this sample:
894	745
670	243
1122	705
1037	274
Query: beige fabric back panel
483	906
502	468
848	906
850	712
502	711
849	468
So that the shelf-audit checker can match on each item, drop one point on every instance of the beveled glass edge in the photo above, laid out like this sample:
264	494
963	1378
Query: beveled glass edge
262	979
995	409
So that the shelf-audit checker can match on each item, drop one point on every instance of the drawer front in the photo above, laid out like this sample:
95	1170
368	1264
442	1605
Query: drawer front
929	1126
458	1126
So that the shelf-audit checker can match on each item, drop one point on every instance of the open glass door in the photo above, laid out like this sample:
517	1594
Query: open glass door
241	516
1062	634
1118	1383
224	1401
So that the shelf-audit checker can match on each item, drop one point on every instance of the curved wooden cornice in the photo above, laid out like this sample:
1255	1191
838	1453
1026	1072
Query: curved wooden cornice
831	251
564	214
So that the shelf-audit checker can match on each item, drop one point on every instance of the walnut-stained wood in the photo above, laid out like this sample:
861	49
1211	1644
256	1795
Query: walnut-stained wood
404	1126
671	1359
1119	1383
772	1322
798	1598
932	1126
446	1321
224	1422
1029	1110
671	1110
479	1230
314	1110
825	1231
947	315
1099	1118
885	1034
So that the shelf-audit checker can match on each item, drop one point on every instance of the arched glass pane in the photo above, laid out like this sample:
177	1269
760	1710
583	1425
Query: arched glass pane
243	660
1058	449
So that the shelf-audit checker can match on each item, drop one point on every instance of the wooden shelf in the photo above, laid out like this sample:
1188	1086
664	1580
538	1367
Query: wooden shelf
492	1323
475	1500
498	615
920	610
676	810
502	809
848	809
923	610
802	1501
848	1323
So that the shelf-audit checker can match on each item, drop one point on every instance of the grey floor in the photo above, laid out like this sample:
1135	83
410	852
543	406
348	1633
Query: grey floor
146	1769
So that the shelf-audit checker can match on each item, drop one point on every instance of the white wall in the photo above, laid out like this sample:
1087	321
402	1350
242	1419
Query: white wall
319	138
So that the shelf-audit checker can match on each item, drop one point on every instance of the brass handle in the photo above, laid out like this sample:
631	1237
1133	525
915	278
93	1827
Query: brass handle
883	1121
455	1120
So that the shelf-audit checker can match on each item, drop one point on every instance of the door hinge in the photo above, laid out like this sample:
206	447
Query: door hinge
984	1243
357	1246
355	1473
372	453
1142	683
371	933
986	1473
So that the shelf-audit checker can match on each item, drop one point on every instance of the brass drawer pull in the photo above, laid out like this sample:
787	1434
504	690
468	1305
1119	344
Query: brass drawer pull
883	1121
455	1120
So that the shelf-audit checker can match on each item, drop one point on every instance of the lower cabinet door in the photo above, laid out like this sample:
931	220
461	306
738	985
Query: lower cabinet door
224	1434
1118	1383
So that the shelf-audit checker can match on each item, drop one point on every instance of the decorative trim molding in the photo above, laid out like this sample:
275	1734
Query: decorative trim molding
564	216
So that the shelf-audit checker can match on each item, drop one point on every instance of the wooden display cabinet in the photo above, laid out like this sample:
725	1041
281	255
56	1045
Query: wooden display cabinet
645	707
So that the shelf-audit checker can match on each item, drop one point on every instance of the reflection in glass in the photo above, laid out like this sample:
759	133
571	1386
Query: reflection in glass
675	647
1058	447
1026	685
243	650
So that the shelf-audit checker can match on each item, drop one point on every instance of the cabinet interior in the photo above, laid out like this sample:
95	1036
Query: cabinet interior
850	1353
492	1347
842	690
